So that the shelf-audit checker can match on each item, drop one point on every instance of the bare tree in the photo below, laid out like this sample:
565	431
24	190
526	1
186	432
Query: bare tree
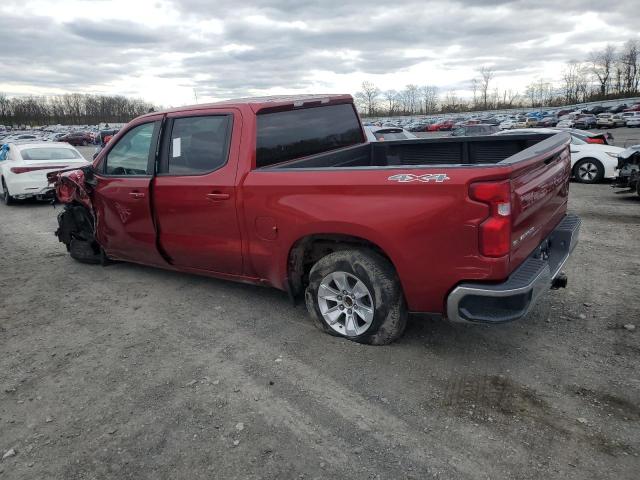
391	97
429	95
368	97
602	63
486	75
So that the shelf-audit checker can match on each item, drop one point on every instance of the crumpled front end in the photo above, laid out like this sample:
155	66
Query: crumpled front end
76	223
628	171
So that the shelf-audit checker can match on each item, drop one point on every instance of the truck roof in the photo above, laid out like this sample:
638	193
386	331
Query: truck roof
274	101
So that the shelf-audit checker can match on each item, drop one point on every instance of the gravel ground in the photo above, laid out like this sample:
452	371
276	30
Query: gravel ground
129	372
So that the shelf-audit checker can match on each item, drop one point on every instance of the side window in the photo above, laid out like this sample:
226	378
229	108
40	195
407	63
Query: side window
130	156
198	144
293	134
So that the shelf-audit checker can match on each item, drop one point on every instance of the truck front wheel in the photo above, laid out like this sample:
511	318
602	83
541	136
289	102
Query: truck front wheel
356	294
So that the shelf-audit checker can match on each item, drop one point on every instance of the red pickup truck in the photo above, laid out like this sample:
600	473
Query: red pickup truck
287	192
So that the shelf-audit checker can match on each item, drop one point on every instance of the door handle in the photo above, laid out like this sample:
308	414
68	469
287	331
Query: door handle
136	194
218	196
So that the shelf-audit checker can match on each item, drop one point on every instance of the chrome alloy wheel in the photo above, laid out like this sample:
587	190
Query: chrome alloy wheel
588	171
345	303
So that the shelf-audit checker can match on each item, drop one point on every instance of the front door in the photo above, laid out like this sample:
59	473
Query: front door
194	191
122	199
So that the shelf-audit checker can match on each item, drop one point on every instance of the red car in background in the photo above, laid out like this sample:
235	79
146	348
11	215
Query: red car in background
633	108
440	126
77	138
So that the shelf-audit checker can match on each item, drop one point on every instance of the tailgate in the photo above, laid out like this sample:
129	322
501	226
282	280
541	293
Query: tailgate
539	193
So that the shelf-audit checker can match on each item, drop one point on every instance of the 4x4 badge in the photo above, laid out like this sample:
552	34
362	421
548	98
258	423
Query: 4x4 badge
427	177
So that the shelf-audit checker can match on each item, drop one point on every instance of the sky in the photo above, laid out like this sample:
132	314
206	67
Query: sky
178	52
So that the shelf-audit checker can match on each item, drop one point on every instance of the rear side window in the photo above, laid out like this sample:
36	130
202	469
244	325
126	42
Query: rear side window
198	144
293	134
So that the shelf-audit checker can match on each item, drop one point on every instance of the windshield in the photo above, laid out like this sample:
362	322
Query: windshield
49	153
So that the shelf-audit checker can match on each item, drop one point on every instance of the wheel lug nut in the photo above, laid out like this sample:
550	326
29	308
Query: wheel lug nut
349	311
341	307
344	292
340	297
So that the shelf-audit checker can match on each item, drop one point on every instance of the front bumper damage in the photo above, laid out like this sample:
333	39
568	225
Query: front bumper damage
515	298
628	171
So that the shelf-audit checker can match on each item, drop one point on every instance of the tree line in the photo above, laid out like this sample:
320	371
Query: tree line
70	109
607	74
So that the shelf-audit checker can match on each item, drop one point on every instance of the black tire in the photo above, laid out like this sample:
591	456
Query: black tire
379	276
588	170
6	198
84	252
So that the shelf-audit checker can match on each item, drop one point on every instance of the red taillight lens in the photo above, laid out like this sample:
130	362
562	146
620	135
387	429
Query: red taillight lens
595	140
33	169
495	231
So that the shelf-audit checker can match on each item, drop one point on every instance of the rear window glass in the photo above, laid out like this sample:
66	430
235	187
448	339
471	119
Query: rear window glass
293	134
51	153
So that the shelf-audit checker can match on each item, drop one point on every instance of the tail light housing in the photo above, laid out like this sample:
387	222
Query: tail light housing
18	170
495	231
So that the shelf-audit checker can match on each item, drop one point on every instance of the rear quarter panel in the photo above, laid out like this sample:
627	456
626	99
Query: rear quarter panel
428	230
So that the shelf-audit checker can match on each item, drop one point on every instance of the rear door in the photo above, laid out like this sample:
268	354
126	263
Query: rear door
194	191
125	227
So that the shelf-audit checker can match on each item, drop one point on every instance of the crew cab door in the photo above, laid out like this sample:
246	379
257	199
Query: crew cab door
122	198
194	191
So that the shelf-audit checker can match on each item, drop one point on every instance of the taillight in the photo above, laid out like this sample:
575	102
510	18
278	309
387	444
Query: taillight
595	140
495	231
33	169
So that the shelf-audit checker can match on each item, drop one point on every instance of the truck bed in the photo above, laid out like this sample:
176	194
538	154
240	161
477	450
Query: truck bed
485	150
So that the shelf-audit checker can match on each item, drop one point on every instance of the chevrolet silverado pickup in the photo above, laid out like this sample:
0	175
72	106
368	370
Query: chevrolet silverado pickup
287	192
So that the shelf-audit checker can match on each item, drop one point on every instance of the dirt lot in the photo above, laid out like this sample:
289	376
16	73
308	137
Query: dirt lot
129	372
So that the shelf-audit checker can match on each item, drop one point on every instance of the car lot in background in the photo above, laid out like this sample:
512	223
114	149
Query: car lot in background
590	162
24	168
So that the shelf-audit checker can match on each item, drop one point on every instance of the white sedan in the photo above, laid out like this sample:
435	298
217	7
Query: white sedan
590	162
24	168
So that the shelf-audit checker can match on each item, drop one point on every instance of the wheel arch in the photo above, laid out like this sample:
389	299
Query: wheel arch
307	250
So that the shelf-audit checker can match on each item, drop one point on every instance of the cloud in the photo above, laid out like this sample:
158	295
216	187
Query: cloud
164	49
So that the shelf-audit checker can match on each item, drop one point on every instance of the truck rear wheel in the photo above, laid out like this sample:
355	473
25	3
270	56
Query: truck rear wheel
356	294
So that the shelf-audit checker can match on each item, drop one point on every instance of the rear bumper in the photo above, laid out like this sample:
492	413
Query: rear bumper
515	298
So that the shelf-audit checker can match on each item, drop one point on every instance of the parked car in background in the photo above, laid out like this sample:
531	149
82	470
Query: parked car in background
628	116
585	121
633	108
443	125
474	130
386	134
618	108
590	162
610	120
76	138
549	121
508	124
598	109
633	122
24	168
